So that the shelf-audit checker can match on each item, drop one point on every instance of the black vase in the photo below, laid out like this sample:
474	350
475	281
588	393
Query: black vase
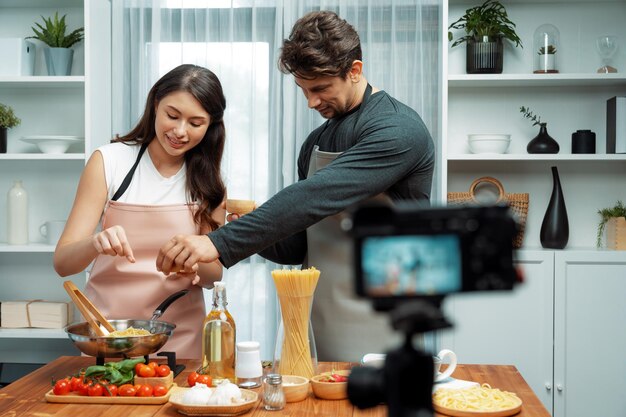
555	226
543	143
3	140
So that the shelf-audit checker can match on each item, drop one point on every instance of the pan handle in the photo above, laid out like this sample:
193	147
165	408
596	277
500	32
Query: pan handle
165	304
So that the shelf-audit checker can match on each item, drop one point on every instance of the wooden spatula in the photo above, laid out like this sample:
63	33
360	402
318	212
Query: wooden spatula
88	310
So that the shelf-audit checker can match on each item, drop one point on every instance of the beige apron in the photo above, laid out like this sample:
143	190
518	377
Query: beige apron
125	290
345	327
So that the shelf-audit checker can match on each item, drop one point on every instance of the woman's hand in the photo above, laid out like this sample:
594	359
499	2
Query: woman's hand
113	242
191	275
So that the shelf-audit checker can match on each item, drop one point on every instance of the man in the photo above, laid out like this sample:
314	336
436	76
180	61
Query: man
371	144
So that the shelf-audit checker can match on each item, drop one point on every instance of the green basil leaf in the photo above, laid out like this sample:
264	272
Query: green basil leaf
95	369
115	376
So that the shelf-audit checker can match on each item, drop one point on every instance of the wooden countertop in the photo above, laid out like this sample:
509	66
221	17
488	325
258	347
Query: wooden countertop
25	397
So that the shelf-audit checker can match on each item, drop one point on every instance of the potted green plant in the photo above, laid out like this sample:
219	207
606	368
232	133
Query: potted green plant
612	214
8	119
485	27
543	142
59	54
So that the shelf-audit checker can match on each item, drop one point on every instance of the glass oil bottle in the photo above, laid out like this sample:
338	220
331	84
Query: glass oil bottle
218	339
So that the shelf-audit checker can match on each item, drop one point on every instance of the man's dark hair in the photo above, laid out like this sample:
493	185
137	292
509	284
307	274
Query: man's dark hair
320	44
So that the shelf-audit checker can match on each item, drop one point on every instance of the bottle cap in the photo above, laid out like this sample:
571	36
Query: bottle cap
274	379
250	346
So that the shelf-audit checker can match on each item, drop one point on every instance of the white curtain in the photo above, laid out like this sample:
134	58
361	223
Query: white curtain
267	118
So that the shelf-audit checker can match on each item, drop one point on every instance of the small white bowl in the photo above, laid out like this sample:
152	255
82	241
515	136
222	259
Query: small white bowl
488	143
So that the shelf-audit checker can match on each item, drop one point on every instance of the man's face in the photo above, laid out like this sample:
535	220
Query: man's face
330	96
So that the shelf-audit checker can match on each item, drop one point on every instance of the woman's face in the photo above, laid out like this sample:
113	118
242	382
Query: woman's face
180	123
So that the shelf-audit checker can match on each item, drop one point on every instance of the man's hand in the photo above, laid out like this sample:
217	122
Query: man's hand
182	252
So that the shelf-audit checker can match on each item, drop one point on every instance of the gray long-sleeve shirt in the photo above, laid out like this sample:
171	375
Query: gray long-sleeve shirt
386	148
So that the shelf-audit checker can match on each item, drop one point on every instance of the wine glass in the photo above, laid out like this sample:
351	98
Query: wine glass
606	46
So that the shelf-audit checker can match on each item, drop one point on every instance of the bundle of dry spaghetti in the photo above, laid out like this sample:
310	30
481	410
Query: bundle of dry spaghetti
295	290
477	398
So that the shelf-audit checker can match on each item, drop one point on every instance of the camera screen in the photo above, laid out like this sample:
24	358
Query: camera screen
408	265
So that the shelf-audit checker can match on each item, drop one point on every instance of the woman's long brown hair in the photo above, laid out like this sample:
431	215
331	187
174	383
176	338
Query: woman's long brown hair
204	179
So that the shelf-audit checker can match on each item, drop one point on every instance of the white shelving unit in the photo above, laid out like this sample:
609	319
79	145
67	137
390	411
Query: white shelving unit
76	105
530	327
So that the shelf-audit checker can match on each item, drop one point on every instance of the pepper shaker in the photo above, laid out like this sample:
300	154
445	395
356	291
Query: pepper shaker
273	394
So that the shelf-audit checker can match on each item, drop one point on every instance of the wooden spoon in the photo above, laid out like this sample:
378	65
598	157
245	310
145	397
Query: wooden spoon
88	310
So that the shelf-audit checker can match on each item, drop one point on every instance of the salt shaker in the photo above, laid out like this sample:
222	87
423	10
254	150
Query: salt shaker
273	394
248	368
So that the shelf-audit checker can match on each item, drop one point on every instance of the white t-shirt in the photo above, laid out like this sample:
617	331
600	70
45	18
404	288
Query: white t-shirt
148	186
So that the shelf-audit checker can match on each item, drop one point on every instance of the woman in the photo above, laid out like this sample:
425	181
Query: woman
161	179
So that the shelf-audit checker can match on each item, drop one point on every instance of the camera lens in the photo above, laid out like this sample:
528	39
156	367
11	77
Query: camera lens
366	387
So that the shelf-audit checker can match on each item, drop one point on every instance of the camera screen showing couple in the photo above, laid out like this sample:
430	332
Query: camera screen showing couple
411	265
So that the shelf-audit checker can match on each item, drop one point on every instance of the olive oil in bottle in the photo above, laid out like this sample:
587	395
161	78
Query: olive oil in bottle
218	339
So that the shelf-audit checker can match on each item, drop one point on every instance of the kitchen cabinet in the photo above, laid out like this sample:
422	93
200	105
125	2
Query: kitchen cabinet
74	105
589	336
563	328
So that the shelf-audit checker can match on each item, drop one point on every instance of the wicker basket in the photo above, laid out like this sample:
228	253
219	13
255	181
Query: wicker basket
518	202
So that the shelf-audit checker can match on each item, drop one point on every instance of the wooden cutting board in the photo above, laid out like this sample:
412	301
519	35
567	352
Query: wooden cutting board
74	398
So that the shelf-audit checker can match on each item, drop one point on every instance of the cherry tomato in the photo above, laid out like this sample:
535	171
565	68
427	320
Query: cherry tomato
163	370
62	387
95	390
82	388
126	390
74	381
153	365
159	390
139	365
110	391
144	391
147	371
204	379
191	379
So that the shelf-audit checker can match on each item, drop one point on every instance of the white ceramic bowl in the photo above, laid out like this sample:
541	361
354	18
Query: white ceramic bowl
488	143
52	144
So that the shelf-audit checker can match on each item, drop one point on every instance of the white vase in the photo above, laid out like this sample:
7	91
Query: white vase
17	210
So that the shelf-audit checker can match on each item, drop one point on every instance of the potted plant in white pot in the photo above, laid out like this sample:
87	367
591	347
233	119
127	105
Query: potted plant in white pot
8	119
485	28
59	54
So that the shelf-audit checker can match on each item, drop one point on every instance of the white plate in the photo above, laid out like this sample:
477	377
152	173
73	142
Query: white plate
52	143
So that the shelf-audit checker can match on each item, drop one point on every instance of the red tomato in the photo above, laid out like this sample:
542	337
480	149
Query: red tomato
110	391
82	388
95	390
159	390
139	365
204	379
147	371
191	379
74	383
126	390
339	378
163	370
62	387
144	391
153	365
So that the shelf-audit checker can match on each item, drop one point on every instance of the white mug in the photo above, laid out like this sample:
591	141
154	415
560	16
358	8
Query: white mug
438	360
52	231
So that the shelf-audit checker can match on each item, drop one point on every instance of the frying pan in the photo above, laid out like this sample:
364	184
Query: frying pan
90	343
